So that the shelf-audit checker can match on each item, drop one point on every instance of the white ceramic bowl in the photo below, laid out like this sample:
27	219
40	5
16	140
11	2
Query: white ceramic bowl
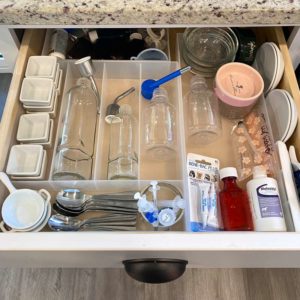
37	91
34	128
23	209
25	160
41	66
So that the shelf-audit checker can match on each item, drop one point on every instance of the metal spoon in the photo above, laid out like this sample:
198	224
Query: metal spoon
76	212
74	198
64	223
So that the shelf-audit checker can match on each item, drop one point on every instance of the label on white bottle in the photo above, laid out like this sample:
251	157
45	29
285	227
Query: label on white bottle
269	201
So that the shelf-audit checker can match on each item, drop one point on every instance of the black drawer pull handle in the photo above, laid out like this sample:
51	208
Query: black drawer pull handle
155	270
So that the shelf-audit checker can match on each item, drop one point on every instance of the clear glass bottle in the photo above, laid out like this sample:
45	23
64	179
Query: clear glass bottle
203	120
123	159
75	149
160	127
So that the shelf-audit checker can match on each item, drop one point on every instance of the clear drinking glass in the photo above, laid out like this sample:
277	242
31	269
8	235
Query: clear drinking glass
159	127
123	159
203	120
75	149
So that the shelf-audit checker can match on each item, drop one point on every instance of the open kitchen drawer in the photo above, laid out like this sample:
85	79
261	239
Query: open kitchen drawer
109	249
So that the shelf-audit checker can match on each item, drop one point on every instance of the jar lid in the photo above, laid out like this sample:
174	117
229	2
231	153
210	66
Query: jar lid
228	172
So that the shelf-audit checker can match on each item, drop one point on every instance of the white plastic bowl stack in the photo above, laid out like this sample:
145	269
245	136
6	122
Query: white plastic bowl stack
24	210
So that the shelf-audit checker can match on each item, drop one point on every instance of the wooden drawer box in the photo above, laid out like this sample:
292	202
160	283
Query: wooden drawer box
103	249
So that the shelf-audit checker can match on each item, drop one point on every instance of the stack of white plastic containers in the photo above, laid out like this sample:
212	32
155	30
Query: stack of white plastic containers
39	94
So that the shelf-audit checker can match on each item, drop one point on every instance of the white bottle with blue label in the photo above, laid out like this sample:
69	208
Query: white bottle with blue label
265	202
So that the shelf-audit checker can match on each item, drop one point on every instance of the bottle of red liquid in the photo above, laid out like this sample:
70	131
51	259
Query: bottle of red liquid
234	203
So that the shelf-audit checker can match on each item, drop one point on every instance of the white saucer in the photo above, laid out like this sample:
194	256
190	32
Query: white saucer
269	63
280	67
294	117
280	113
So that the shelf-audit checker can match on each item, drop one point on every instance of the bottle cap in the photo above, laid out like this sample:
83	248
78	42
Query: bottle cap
228	172
259	171
167	217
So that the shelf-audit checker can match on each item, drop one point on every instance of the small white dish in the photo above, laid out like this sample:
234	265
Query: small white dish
23	209
25	160
40	176
41	66
294	117
50	108
47	144
37	91
280	113
58	87
34	128
56	78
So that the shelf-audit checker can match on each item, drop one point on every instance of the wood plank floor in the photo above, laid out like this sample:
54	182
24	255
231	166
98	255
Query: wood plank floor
110	284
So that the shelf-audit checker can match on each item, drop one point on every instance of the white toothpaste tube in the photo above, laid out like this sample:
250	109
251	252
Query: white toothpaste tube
204	196
212	216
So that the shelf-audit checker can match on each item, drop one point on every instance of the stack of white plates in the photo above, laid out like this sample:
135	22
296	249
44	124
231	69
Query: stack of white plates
283	114
270	64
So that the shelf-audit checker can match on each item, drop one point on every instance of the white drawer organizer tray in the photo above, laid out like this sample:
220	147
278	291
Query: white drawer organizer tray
108	249
113	78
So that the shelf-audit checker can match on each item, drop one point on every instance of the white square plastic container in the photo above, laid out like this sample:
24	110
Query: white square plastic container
25	160
34	128
42	66
36	91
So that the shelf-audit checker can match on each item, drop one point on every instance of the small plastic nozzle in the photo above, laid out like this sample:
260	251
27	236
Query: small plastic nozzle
149	85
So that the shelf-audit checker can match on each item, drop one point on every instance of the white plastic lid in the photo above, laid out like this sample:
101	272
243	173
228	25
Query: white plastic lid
259	171
228	172
167	217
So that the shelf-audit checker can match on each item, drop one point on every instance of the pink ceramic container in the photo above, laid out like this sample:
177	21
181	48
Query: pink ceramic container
238	87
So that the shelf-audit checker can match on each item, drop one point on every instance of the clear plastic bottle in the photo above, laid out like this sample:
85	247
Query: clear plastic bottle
123	159
266	204
75	149
202	120
160	127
